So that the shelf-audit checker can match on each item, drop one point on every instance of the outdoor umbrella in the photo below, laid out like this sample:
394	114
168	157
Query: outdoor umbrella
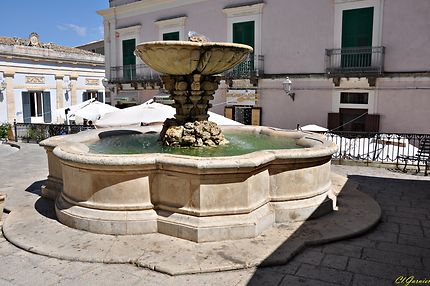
92	111
148	113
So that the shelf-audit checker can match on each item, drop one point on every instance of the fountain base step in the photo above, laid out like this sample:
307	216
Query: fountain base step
357	214
216	228
106	221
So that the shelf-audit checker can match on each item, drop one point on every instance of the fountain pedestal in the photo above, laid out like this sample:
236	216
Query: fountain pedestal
191	127
189	74
191	94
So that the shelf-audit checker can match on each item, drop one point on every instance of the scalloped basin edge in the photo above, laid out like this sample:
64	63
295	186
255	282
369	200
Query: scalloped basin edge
193	198
185	57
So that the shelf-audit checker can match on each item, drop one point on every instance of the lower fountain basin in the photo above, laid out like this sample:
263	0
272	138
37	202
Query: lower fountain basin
196	198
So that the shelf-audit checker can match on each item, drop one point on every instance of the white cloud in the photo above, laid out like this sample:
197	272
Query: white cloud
101	30
80	31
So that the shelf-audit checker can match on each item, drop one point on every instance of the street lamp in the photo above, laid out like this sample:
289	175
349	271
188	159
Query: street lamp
287	87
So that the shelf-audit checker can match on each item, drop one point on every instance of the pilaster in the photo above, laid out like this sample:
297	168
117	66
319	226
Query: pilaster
73	79
10	98
59	89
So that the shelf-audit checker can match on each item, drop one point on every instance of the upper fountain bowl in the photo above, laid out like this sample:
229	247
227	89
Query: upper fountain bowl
185	57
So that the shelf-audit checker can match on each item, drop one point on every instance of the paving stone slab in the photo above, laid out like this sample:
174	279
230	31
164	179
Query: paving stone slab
34	229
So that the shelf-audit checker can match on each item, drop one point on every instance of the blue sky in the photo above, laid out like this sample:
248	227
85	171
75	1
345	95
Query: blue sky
64	22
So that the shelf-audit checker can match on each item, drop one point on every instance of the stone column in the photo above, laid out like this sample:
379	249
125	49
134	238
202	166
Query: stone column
10	97
191	94
59	89
74	95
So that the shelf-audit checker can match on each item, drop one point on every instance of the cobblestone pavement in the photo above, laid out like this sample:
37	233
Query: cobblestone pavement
398	246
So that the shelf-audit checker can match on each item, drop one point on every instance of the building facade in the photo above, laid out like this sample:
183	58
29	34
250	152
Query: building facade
97	47
354	65
37	78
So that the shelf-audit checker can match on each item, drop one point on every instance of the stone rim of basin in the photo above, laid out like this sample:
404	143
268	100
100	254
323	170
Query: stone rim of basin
186	57
70	149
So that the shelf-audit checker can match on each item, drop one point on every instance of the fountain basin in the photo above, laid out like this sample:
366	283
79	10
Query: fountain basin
185	57
194	198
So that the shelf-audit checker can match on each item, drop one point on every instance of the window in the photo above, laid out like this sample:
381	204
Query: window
248	115
171	29
358	23
354	98
357	27
92	94
172	36
36	107
129	59
244	25
244	33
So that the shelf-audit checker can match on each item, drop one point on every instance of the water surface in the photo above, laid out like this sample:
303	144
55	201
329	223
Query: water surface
240	143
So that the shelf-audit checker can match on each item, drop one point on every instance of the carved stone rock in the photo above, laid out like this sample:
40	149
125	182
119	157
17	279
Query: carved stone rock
192	134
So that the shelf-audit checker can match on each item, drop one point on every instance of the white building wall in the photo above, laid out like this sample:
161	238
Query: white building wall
3	103
48	71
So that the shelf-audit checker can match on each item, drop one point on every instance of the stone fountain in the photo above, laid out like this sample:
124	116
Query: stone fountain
190	197
190	75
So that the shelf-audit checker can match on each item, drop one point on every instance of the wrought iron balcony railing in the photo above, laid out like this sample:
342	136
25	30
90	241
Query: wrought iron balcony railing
133	73
252	67
361	61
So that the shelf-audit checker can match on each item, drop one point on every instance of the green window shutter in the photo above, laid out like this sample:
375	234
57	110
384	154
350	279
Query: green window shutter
244	33
129	59
100	96
357	27
47	118
357	30
173	36
128	47
26	107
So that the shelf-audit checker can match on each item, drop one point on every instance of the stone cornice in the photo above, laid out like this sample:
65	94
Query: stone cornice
128	30
174	22
244	10
144	7
39	54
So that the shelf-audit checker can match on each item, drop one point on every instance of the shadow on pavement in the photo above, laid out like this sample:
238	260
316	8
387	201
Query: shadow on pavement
403	202
46	208
36	187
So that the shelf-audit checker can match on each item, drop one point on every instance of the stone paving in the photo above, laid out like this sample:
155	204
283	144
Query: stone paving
398	246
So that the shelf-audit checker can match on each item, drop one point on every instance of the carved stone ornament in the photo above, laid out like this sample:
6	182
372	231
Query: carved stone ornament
35	79
34	40
91	81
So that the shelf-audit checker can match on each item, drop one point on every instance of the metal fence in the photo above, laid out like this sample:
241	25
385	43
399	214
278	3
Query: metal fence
36	132
370	147
252	66
355	61
132	73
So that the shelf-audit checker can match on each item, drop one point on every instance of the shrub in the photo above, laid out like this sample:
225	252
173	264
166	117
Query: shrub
4	127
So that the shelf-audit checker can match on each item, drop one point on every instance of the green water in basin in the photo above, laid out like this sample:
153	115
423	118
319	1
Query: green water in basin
240	143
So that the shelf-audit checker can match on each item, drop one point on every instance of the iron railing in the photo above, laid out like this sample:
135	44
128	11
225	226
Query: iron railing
133	73
36	132
360	61
251	67
382	148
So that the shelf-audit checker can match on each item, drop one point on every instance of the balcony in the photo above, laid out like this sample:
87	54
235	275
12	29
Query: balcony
351	62
134	74
251	68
